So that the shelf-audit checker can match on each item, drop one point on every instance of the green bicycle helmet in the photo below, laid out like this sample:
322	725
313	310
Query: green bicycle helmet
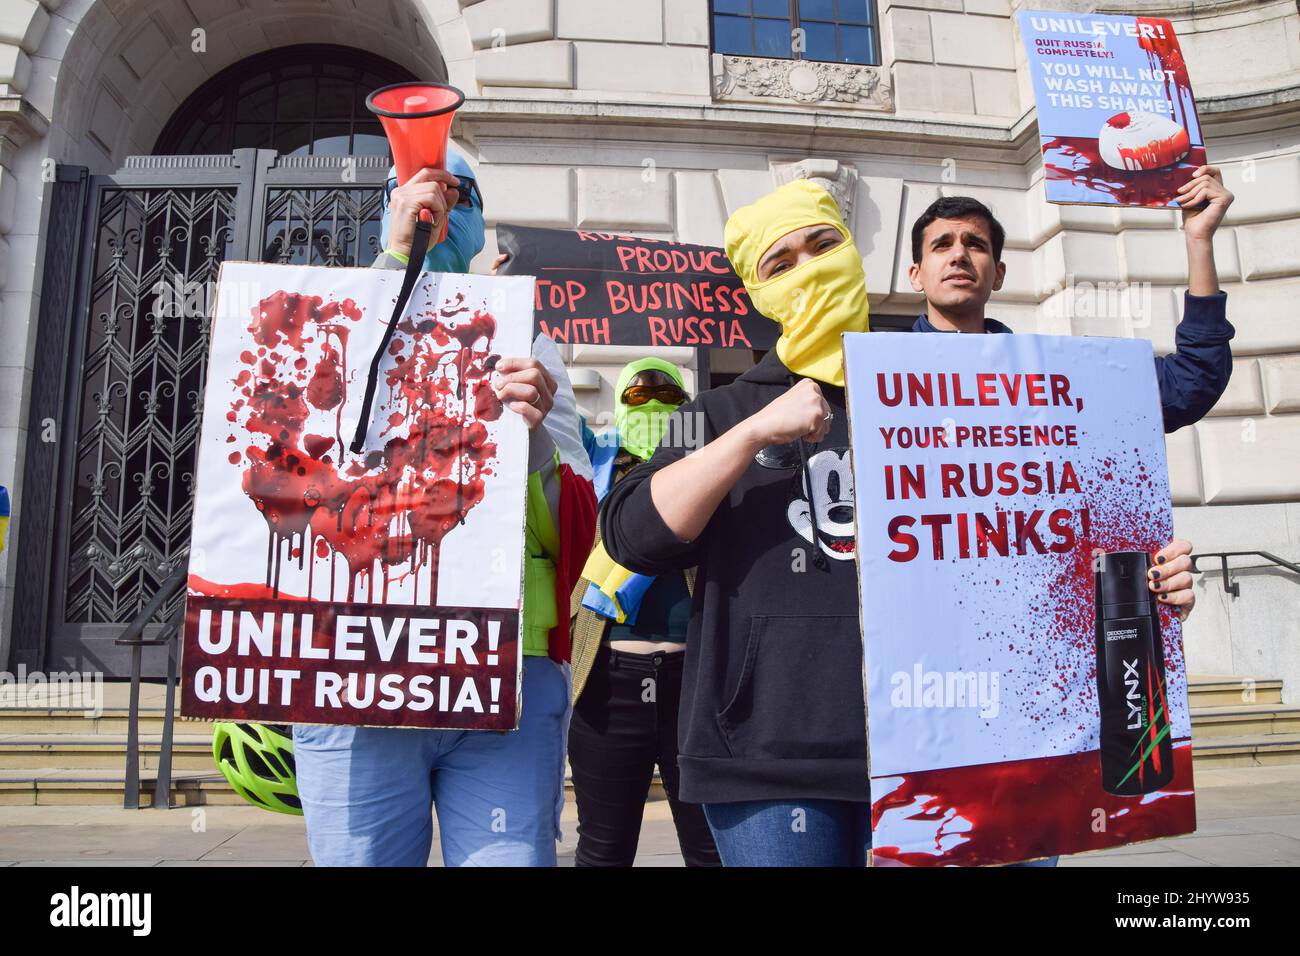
257	759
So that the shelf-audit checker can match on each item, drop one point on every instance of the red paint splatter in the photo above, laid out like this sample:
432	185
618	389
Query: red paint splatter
958	816
1051	629
1076	159
287	316
1154	154
487	407
1164	54
238	592
317	445
395	505
325	390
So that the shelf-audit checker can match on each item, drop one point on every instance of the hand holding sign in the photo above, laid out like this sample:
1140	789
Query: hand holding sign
1204	200
527	387
1171	578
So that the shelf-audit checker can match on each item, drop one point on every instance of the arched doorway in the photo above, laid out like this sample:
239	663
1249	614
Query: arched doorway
273	159
299	100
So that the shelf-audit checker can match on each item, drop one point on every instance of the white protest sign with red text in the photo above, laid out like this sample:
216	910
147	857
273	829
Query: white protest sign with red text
989	472
380	588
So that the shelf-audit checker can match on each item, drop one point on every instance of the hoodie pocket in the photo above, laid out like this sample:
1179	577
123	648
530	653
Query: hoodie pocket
800	691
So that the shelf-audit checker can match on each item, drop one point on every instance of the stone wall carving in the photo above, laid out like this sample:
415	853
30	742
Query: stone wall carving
801	82
839	179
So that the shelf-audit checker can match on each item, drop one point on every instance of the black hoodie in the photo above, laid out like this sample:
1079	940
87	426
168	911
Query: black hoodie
772	694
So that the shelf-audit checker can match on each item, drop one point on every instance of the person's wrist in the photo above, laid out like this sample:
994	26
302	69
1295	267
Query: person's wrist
753	436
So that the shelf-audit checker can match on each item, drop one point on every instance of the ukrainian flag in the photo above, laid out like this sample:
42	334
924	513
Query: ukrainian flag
614	592
4	516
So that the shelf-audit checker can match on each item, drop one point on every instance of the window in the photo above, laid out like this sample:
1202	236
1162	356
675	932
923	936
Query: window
299	100
832	31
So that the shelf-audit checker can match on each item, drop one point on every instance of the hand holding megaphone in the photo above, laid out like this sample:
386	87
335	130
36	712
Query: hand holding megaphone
417	121
431	190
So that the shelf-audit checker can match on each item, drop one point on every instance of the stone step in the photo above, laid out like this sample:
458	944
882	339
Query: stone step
59	755
50	786
86	787
101	751
1246	751
64	694
73	720
1206	690
1263	724
1241	720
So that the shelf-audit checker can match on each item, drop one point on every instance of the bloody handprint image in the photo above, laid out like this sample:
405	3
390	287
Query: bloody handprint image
330	524
392	507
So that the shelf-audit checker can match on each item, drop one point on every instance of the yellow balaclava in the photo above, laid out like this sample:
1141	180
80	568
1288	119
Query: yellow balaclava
816	300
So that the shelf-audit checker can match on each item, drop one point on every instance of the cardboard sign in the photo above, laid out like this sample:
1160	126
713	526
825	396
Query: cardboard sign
999	480
609	289
381	588
1116	116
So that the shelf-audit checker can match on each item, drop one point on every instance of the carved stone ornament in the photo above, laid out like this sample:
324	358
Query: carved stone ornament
839	179
801	81
20	123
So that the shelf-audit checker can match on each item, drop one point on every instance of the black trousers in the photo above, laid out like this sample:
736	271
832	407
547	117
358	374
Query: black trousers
624	723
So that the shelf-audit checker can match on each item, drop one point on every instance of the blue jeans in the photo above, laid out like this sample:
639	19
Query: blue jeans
791	832
366	791
796	833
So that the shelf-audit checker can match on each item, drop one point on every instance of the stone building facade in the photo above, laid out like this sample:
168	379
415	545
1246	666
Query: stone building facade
617	115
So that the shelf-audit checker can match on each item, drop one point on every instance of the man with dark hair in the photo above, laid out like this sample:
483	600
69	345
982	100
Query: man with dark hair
958	207
957	262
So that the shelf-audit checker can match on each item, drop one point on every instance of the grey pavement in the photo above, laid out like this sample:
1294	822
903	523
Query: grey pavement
1246	817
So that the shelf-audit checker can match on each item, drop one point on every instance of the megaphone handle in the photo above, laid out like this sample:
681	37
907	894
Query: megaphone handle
414	265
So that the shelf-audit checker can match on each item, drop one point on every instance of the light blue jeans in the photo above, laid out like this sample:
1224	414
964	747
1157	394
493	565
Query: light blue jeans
366	791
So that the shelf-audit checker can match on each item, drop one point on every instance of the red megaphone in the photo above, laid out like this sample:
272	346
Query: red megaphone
417	121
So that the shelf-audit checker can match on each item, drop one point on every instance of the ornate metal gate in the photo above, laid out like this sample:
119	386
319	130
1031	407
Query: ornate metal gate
124	332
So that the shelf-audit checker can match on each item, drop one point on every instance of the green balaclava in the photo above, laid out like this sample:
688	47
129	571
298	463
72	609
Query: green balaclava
640	427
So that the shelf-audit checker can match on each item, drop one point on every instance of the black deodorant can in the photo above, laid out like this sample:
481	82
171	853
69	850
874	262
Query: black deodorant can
1136	750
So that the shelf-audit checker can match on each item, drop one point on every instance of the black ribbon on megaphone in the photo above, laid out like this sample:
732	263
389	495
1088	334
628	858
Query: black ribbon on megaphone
414	265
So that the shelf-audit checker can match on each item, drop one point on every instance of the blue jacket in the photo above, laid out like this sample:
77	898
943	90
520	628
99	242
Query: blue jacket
1195	375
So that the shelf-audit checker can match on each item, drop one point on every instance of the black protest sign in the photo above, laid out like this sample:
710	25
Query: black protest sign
600	288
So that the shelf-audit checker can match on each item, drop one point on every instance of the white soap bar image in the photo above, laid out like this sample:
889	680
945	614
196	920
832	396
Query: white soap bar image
1141	141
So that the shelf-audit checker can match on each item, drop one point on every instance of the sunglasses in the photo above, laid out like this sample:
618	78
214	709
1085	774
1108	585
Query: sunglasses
669	394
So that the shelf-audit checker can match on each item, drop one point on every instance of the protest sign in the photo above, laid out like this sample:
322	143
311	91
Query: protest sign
380	588
611	289
1116	117
1026	694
